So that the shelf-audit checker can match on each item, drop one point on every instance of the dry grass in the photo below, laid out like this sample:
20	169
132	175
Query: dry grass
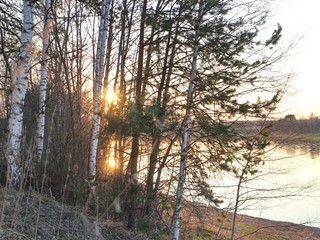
29	215
215	224
32	216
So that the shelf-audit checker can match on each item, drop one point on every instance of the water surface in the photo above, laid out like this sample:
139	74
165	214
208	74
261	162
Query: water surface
302	160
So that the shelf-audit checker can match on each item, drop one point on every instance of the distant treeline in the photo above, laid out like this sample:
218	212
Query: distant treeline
289	124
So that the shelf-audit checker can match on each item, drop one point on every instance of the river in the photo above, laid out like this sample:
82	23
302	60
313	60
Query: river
292	176
286	188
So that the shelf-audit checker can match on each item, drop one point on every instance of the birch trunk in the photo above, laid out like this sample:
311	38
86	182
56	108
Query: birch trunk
43	85
185	134
13	154
97	86
184	148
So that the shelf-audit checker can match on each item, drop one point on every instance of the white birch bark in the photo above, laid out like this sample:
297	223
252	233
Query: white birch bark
184	148
20	83
97	86
43	84
185	136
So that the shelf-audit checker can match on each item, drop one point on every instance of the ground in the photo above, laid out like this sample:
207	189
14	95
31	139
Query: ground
28	215
216	224
32	216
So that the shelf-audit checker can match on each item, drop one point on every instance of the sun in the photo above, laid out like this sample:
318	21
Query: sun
110	97
112	162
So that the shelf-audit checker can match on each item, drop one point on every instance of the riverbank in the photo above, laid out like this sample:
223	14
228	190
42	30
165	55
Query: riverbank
215	224
32	216
295	137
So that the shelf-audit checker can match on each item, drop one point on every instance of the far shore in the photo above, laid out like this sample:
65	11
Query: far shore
296	137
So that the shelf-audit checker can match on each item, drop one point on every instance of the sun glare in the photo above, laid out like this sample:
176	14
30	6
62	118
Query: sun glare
112	162
110	97
111	159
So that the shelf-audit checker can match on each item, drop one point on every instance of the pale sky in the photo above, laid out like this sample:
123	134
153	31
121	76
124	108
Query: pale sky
301	18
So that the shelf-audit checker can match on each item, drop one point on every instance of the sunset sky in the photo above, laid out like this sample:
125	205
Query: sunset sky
301	19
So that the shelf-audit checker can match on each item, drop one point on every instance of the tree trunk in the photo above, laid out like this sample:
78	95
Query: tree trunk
156	139
184	149
185	134
43	86
109	49
13	154
133	161
150	177
235	212
97	87
161	166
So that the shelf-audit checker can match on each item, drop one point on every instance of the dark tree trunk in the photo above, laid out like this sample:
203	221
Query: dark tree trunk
133	162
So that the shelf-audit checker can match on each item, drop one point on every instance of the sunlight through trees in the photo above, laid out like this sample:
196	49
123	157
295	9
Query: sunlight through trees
135	109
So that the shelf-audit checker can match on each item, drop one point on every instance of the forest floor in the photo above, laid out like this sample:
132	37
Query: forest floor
29	215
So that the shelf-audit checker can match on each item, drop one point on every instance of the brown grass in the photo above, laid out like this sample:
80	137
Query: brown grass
210	223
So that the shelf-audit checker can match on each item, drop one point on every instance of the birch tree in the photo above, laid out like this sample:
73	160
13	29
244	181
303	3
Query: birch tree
97	86
43	83
185	131
19	88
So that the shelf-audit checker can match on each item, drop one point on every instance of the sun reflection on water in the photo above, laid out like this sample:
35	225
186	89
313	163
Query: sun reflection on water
111	158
